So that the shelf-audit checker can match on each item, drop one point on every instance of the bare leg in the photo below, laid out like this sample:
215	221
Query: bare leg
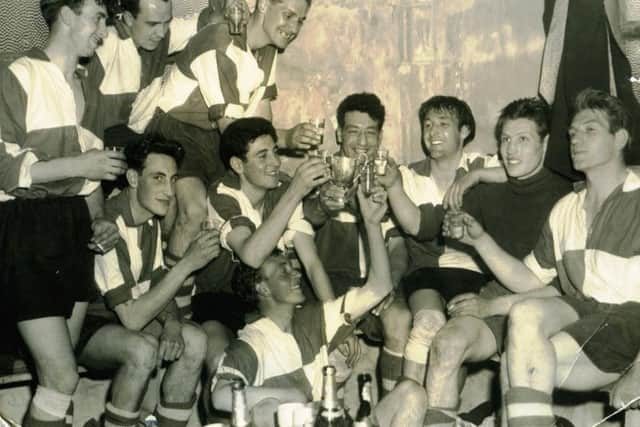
462	339
405	406
396	323
50	346
531	357
574	369
191	197
428	317
132	353
183	375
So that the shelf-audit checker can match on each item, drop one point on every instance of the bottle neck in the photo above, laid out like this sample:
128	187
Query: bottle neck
239	410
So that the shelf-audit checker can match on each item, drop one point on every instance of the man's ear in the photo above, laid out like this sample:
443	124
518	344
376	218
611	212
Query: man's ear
622	138
132	178
236	164
66	15
262	289
464	132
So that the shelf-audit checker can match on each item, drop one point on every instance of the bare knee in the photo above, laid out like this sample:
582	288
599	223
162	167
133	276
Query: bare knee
426	324
191	204
141	353
449	346
396	322
195	346
527	313
64	381
413	396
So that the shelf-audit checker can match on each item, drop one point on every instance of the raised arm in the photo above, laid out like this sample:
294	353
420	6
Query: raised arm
254	247
509	271
379	282
308	253
135	313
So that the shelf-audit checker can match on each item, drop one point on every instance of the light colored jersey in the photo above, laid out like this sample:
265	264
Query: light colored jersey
600	262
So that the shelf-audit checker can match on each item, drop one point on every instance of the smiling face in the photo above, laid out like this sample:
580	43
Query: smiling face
282	280
87	28
155	185
261	169
359	135
151	25
592	143
442	135
283	20
521	148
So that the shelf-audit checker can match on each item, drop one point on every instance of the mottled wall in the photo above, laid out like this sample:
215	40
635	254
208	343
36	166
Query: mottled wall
485	51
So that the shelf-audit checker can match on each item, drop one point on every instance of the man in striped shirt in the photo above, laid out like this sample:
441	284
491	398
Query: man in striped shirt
280	356
439	268
587	338
219	78
137	287
254	204
51	206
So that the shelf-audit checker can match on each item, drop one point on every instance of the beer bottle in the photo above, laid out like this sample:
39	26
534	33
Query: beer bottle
239	411
331	413
364	411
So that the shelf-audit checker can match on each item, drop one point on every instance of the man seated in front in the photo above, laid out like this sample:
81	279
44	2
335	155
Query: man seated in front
587	338
513	213
280	356
146	330
253	205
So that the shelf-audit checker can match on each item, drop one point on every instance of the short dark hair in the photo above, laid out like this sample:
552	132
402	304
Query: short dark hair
364	102
50	9
453	106
244	281
617	114
239	134
137	152
534	109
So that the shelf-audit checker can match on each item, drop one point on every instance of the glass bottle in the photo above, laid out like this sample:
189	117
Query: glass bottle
364	411
332	413
239	410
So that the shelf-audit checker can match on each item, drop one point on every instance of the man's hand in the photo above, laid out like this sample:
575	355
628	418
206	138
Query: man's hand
303	136
626	389
372	210
171	342
309	174
454	196
105	236
472	228
204	248
470	304
332	198
391	176
351	350
101	165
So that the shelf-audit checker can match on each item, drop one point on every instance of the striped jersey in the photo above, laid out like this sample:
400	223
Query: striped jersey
136	264
428	248
120	72
264	355
601	261
38	122
229	208
216	75
340	243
